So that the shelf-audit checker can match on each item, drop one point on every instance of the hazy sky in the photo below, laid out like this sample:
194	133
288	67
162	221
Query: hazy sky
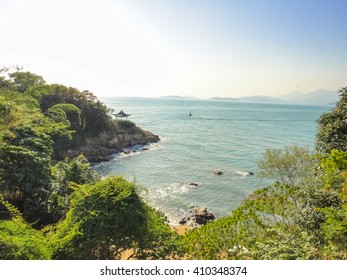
203	48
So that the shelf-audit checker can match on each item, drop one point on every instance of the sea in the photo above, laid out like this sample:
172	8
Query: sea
226	136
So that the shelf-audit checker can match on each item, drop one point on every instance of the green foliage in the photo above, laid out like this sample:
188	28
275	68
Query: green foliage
332	127
292	166
66	174
284	245
67	112
16	109
74	170
37	91
108	218
18	241
25	171
125	124
23	157
23	80
263	227
5	83
94	114
335	227
335	173
337	160
68	117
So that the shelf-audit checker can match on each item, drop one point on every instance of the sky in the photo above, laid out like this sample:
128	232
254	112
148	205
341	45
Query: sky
202	48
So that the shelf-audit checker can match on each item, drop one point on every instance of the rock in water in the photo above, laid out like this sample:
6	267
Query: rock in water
203	216
183	221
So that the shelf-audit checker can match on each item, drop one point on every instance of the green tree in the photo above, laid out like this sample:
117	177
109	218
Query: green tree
25	170
23	80
292	166
332	127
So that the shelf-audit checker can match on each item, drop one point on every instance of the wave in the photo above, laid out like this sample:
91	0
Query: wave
244	173
176	188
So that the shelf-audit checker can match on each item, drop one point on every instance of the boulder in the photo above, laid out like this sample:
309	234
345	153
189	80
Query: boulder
203	216
196	216
183	221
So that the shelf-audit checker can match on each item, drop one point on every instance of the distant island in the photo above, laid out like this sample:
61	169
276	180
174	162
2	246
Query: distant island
179	97
172	96
319	97
224	99
261	99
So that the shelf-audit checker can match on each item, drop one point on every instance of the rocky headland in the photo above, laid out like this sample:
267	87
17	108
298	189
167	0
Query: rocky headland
122	134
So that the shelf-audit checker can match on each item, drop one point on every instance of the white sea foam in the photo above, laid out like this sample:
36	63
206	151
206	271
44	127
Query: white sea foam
242	173
175	188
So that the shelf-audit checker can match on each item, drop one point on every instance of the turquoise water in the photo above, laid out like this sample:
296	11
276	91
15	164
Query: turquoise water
220	135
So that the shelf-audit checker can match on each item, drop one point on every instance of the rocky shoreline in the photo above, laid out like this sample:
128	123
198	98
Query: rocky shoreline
99	148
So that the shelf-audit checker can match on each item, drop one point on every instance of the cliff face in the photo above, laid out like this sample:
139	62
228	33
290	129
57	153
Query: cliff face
98	148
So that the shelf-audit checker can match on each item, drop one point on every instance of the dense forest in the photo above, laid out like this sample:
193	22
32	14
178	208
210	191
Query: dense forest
55	207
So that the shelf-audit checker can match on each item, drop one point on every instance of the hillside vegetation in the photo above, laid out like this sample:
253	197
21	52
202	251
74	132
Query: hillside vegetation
303	215
56	207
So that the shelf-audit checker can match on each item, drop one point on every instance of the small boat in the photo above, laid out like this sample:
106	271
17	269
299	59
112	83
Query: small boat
190	113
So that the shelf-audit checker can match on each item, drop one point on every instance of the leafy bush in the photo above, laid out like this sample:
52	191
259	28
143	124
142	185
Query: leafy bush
18	241
107	218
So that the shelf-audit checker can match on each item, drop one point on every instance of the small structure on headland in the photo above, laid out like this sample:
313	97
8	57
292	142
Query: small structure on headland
121	115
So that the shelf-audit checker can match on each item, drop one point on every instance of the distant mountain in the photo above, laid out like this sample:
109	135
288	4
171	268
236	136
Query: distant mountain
224	99
179	96
172	96
261	99
318	97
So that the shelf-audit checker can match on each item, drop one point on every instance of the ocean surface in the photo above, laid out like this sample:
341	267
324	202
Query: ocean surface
220	135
